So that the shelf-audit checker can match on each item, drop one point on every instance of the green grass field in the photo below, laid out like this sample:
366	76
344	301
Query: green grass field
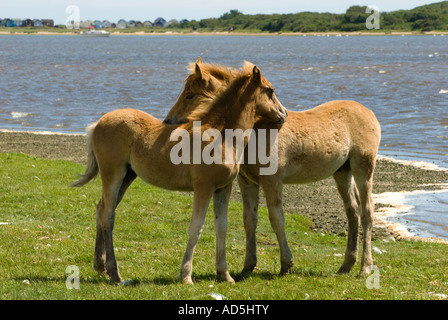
47	226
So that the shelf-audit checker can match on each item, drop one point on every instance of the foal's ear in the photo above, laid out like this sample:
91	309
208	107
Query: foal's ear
256	74
197	70
199	60
199	73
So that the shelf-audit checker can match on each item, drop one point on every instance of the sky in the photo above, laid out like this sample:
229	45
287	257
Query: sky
142	10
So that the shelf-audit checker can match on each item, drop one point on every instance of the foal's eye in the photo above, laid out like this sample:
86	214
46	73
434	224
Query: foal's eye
189	96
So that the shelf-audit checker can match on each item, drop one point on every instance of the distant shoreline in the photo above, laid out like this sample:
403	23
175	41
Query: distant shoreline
228	33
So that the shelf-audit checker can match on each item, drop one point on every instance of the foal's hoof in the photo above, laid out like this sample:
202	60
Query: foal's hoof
344	269
185	280
114	276
248	270
364	272
361	275
286	269
284	272
225	277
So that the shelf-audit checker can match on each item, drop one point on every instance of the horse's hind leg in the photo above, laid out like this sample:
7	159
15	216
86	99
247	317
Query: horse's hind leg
104	258
221	203
349	194
363	173
128	179
99	263
99	258
250	194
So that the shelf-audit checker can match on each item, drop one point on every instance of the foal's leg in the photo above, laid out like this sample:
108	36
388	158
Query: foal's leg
201	200
363	174
128	179
250	194
272	187
221	203
104	258
99	258
349	195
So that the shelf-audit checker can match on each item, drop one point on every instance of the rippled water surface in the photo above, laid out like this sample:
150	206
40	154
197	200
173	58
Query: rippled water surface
62	83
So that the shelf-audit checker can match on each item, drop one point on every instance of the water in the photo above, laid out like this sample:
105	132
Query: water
63	83
424	216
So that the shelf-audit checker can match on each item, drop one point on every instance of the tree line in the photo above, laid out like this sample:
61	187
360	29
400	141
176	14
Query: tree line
424	18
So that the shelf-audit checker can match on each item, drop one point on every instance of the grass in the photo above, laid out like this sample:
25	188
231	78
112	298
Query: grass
51	226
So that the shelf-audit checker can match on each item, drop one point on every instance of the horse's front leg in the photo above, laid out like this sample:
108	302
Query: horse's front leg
221	203
250	194
201	200
272	187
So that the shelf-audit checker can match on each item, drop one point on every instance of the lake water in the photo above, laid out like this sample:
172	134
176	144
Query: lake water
63	83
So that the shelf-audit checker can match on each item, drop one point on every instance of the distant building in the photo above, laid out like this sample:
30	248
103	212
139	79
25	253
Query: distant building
27	23
138	24
131	24
159	22
173	21
107	24
97	24
16	22
8	23
147	24
86	23
37	23
48	22
121	24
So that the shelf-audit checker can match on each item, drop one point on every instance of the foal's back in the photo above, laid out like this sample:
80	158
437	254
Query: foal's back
132	139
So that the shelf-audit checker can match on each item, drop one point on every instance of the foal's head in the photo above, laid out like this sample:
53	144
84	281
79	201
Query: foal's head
268	108
202	86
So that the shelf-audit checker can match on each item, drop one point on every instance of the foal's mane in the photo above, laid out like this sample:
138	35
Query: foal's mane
232	78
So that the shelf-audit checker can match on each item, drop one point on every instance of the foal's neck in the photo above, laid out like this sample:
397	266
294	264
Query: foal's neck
236	108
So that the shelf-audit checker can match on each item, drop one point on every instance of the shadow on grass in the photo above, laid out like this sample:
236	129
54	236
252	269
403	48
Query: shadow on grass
173	280
205	277
63	279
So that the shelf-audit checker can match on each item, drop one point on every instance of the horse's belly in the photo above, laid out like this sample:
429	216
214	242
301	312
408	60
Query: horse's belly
311	171
168	177
175	186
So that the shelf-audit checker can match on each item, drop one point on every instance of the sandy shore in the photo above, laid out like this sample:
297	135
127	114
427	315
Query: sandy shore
320	201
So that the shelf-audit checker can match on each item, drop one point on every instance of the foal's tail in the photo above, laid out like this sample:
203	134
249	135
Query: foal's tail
92	164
